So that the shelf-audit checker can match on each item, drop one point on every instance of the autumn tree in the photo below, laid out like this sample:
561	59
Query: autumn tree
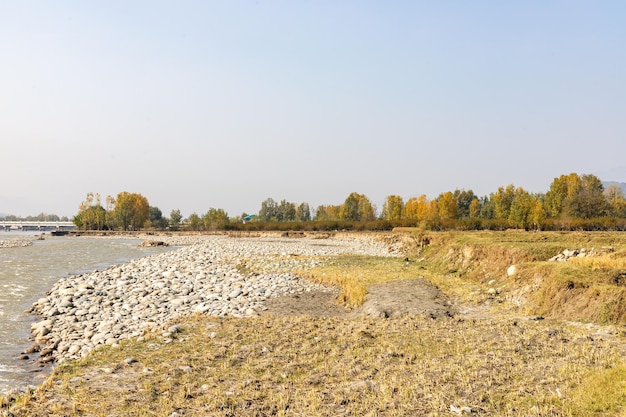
393	208
576	196
589	200
131	210
474	209
418	208
446	206
502	201
521	209
327	213
91	215
616	200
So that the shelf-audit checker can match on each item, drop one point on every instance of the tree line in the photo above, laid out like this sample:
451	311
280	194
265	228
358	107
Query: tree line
572	202
41	217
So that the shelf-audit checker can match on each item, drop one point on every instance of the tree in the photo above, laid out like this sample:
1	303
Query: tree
357	207
520	213
393	208
464	200
327	213
474	209
194	221
156	219
286	211
91	214
175	219
418	208
588	201
502	201
303	213
538	214
269	210
131	210
447	207
215	219
617	203
576	196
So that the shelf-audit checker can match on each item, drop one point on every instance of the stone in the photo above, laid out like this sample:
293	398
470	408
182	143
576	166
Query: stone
511	270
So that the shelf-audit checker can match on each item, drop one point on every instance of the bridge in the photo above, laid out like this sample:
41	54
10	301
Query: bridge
35	225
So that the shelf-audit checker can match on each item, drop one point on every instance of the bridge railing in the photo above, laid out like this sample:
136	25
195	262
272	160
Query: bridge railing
36	225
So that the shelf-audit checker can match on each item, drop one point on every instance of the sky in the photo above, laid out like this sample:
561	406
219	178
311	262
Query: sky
223	104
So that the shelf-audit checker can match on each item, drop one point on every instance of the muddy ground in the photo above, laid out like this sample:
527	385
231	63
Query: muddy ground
386	300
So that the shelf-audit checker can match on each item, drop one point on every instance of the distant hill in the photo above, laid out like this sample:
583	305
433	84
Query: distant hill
621	184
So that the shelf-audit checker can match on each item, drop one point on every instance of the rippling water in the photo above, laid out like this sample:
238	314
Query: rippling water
27	273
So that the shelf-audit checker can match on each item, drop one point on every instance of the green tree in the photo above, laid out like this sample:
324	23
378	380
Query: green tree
131	210
269	210
286	211
588	201
464	200
175	219
215	219
357	207
194	222
487	208
156	219
393	208
576	196
303	213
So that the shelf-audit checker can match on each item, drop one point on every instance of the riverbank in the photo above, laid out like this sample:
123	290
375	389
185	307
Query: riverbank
475	351
206	276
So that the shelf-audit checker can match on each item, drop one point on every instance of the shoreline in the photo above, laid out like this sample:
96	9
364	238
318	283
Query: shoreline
206	275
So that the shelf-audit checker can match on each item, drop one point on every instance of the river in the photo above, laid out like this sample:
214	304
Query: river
26	273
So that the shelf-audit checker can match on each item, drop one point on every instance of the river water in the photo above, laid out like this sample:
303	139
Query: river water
26	273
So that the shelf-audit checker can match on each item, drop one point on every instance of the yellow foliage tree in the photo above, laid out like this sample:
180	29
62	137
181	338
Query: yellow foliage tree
447	206
131	210
393	209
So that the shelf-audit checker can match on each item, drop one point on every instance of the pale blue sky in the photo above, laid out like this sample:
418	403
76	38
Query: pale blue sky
199	104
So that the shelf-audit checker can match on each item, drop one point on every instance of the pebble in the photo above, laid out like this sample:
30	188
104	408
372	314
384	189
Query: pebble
126	301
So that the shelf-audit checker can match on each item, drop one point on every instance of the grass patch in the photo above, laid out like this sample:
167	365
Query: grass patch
354	274
328	367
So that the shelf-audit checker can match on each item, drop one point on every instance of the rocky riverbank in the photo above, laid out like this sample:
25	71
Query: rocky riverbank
210	276
17	242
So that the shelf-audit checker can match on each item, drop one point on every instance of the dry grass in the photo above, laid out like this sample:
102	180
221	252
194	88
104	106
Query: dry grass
499	365
337	367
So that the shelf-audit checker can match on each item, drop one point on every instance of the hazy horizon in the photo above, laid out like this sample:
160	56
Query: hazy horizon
225	104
